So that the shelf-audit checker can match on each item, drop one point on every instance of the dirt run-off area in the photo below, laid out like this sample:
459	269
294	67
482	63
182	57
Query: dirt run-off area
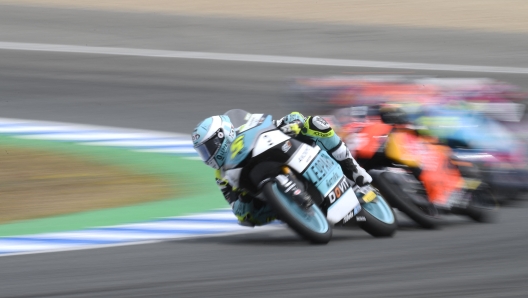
486	15
39	183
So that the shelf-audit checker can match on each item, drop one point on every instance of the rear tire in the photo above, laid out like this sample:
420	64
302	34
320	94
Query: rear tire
483	205
403	202
313	227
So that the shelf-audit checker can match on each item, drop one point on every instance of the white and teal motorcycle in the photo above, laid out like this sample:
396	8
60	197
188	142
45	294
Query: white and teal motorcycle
261	152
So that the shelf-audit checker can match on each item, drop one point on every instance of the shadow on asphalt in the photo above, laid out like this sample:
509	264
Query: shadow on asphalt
287	238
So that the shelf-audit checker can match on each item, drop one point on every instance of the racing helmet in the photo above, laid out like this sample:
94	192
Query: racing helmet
212	139
393	115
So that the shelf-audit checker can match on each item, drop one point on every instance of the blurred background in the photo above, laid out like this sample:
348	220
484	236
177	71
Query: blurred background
458	70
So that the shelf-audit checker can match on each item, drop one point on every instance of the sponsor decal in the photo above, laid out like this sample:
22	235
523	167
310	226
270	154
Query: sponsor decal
304	153
195	137
297	192
322	134
332	179
286	147
232	132
320	167
302	157
357	209
221	153
361	218
341	187
349	216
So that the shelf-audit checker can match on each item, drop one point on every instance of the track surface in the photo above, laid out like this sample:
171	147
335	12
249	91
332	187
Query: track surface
462	259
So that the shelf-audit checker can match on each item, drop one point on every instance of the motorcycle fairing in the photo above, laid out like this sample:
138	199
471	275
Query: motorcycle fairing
258	135
440	179
246	138
370	139
327	176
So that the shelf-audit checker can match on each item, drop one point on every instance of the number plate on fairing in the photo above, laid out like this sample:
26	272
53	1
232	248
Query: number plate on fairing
326	174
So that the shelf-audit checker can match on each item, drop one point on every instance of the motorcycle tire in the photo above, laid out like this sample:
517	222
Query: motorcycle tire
398	198
482	207
374	224
310	224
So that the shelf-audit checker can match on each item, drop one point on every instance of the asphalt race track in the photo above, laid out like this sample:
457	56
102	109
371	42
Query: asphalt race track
463	259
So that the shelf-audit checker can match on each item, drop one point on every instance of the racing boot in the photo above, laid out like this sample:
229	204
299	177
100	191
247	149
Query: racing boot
350	167
293	188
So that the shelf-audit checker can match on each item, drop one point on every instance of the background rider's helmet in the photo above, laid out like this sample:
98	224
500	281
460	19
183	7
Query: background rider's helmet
212	139
393	115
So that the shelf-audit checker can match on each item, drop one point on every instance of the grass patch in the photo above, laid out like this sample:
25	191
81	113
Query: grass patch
192	187
38	183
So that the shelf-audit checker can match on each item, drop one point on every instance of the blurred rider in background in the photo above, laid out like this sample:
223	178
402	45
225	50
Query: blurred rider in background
212	139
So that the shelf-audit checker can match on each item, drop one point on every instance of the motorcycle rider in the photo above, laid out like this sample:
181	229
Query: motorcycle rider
213	137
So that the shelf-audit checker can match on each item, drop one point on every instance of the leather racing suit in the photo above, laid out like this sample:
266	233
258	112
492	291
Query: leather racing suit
251	211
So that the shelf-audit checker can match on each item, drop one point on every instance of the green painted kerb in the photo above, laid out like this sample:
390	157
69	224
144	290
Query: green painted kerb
194	181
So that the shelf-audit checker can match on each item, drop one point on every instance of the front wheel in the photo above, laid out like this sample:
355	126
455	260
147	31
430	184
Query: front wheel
309	223
424	214
377	218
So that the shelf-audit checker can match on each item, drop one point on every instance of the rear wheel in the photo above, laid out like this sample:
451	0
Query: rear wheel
309	223
482	206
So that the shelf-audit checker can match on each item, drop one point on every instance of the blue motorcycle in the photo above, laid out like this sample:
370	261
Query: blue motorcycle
261	154
486	143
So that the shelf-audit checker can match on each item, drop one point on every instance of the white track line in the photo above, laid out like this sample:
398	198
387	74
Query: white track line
57	48
133	139
208	224
214	223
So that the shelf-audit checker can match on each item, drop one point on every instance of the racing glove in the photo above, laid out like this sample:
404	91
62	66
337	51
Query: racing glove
250	214
291	129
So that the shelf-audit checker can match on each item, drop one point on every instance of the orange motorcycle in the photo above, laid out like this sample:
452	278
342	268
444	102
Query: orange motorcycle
417	176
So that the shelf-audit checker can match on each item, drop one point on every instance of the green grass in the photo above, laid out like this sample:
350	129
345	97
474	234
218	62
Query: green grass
193	180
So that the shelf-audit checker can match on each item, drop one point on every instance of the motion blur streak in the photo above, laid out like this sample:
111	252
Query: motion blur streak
254	58
463	259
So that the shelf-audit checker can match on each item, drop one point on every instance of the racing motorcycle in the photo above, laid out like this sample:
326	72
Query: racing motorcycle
419	177
489	144
261	154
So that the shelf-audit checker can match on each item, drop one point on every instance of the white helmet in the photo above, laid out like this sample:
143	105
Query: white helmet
212	139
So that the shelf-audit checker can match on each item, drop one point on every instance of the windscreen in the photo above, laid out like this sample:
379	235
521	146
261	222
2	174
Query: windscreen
238	117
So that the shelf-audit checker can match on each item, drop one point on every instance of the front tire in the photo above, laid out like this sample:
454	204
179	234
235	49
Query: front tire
401	200
379	219
310	224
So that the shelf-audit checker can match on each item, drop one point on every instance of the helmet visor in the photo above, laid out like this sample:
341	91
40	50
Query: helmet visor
208	149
